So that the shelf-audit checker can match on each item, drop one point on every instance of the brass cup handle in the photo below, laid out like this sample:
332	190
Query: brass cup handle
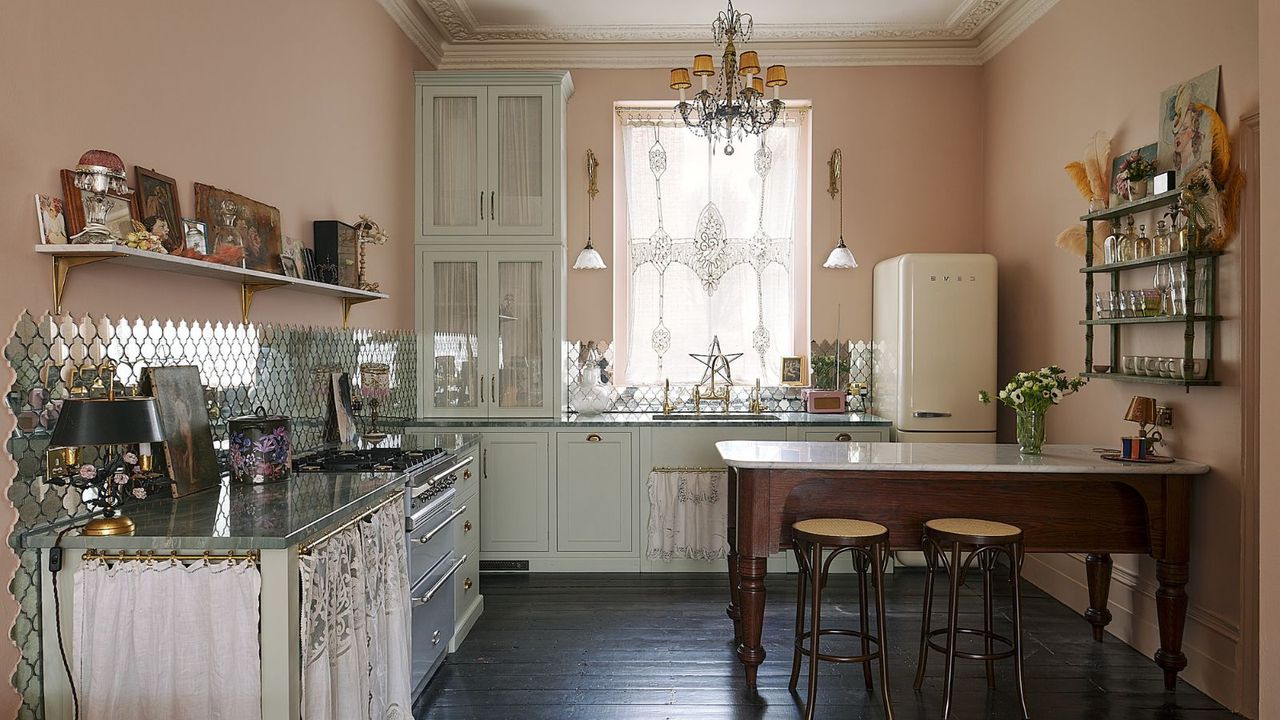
844	437
467	584
466	474
593	437
466	526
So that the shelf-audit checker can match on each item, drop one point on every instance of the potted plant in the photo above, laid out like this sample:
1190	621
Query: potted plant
1031	394
1138	171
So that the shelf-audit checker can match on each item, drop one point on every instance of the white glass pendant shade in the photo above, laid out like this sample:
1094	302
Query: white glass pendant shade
841	258
589	259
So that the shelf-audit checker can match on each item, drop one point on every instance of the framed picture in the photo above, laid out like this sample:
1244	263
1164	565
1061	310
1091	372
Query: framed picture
158	205
291	257
1186	137
195	237
1119	183
290	266
189	457
121	211
53	221
236	222
795	371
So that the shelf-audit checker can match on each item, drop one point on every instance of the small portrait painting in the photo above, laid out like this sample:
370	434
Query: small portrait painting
53	223
1185	141
158	205
195	236
795	371
189	455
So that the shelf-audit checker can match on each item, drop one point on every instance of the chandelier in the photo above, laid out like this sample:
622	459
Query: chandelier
737	106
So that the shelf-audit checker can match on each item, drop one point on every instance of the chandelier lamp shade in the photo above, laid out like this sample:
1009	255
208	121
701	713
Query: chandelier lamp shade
841	257
736	106
589	258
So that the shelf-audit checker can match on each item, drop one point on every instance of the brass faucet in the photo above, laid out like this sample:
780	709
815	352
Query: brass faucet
755	406
712	394
667	407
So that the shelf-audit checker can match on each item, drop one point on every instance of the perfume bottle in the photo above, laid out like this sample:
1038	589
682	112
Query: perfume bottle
1163	241
1111	246
1142	246
1128	242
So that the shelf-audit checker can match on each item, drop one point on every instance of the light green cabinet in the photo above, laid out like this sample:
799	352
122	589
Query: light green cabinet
595	495
514	473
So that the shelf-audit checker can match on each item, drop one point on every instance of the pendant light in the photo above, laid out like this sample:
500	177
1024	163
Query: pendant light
589	258
841	257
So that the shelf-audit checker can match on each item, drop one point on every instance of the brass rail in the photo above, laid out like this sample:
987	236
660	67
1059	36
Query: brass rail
308	547
153	556
689	469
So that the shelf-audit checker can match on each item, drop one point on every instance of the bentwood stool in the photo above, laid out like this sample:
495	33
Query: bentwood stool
868	544
957	543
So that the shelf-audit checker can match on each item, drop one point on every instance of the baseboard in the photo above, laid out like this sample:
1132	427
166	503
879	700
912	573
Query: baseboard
468	621
1210	642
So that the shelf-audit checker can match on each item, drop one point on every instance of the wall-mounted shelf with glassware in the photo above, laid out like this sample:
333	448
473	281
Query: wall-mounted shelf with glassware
66	257
1184	292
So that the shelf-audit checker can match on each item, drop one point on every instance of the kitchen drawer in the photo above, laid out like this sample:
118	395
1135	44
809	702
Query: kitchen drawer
432	621
468	483
466	529
431	540
466	585
838	434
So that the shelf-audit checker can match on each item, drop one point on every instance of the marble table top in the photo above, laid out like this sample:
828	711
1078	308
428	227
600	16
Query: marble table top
936	457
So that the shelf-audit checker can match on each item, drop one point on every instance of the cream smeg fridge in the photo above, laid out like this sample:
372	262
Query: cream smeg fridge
934	332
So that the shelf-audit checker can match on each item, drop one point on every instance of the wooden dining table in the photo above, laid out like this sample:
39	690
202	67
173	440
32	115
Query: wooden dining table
1066	500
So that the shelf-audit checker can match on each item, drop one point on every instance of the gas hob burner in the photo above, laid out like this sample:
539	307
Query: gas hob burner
378	460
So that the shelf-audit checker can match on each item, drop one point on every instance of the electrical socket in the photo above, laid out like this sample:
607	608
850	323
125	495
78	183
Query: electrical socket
1164	416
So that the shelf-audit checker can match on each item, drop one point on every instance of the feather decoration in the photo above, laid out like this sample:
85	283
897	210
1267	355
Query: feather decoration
1221	145
1080	176
1231	196
1101	149
1073	240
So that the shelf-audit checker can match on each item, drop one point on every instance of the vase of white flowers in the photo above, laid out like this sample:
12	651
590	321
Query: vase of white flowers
1031	394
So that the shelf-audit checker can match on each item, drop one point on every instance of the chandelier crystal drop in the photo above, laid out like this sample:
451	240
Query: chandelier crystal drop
736	106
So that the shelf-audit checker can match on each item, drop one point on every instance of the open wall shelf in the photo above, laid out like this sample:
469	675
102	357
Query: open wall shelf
251	282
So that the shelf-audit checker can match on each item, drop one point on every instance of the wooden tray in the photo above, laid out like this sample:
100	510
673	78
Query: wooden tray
1148	460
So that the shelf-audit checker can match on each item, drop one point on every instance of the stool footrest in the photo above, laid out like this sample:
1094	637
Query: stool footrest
994	637
803	650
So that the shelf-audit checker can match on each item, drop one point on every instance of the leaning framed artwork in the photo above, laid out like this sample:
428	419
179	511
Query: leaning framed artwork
237	222
158	205
795	371
189	457
1186	131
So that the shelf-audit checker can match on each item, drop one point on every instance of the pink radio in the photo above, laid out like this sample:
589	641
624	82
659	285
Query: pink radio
823	401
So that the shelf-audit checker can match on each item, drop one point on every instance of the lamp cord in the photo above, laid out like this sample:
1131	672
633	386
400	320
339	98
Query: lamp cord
57	621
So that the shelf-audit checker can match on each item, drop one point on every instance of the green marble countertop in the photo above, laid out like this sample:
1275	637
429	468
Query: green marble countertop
254	517
647	420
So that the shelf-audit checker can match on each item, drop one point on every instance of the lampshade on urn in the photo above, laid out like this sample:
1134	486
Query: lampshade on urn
99	172
1142	410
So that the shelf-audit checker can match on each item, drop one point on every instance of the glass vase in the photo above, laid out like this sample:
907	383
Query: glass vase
1031	431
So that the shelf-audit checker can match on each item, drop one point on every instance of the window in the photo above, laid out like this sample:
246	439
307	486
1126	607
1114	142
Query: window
716	246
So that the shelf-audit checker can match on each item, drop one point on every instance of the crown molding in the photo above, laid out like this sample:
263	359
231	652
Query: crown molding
449	36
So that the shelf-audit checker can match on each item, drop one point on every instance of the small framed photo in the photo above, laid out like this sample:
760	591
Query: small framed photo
53	221
795	371
290	266
157	198
195	236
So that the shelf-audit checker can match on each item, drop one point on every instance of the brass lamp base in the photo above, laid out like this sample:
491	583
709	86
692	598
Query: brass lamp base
118	525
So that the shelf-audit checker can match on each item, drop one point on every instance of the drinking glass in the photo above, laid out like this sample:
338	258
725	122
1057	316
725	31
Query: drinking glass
1163	279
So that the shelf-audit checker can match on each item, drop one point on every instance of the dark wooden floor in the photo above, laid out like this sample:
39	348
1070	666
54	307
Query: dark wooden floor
595	647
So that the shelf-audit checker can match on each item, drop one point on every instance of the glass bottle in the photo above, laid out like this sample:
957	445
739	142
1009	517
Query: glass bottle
1128	250
1142	246
1163	241
1111	246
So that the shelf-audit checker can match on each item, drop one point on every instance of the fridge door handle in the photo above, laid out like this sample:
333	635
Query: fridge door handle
927	414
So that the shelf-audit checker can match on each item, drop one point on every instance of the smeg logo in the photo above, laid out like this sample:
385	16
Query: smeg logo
953	278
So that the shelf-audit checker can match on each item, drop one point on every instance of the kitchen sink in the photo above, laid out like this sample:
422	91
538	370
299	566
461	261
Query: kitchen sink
715	416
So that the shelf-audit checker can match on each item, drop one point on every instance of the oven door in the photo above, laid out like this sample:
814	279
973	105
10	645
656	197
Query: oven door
431	538
432	623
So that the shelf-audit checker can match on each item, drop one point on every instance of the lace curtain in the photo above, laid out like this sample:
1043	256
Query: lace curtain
688	515
454	147
519	160
187	648
712	248
455	306
356	623
520	330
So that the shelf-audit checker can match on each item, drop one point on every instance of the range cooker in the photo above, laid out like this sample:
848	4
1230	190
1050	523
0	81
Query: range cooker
430	541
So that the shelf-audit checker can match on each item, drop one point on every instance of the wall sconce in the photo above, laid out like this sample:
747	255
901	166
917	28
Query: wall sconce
589	258
841	257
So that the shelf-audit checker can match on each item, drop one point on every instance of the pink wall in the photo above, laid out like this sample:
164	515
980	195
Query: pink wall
1269	500
305	105
1084	66
911	139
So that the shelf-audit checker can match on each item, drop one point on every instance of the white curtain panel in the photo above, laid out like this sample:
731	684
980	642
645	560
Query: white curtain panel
688	515
167	641
457	332
711	243
520	193
454	147
355	605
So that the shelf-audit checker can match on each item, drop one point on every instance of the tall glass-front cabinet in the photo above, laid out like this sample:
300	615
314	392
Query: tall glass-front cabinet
490	242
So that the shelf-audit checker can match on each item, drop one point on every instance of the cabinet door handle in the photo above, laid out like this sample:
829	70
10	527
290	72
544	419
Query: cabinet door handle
467	585
493	394
481	204
928	414
484	463
492	214
466	474
593	438
466	526
482	389
844	437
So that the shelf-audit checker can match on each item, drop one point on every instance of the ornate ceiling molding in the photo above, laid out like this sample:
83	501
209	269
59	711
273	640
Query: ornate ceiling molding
454	39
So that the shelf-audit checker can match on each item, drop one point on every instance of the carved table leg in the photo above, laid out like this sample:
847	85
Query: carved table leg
751	572
1171	608
1099	571
734	611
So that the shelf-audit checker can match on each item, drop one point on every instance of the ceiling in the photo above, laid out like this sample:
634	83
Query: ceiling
659	33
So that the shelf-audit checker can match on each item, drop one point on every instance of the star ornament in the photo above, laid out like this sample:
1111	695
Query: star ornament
716	362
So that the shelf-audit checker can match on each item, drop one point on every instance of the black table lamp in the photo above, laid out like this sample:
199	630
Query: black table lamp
104	422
